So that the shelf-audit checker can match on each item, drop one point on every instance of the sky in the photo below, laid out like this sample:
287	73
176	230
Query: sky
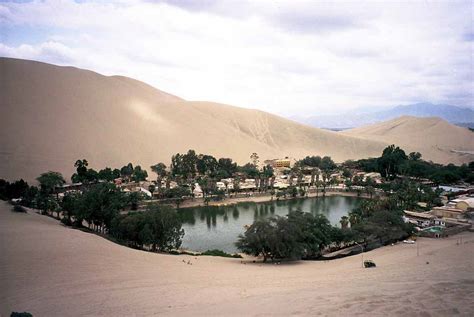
293	58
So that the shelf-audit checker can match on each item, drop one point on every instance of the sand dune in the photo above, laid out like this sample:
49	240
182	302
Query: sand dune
434	138
50	270
53	115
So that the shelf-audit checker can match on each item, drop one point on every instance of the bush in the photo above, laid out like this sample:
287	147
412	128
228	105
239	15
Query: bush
66	221
216	252
23	314
18	208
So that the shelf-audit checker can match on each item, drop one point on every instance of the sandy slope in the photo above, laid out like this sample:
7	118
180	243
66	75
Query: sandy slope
435	138
51	270
51	116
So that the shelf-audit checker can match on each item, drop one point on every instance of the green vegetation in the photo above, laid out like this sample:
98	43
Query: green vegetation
98	203
159	228
18	190
18	208
23	314
302	235
394	162
221	253
87	175
298	235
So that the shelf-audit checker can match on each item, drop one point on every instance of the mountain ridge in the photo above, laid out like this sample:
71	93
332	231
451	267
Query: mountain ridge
453	114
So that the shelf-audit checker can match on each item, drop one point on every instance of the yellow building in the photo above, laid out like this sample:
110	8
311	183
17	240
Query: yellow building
464	204
281	163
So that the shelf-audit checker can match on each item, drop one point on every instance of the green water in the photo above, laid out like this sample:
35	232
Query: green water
215	227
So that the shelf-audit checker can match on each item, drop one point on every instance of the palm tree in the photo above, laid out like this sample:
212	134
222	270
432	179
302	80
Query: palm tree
344	222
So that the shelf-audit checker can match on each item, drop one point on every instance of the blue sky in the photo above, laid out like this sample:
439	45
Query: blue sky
286	57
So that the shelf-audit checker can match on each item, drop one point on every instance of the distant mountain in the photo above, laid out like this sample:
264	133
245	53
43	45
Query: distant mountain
453	114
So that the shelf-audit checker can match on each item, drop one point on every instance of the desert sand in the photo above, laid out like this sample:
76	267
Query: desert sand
51	270
434	138
51	116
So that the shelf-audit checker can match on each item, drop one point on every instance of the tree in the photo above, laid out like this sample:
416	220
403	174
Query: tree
81	171
106	174
49	181
257	238
254	159
314	232
327	164
158	227
152	189
159	169
414	156
161	172
177	193
69	205
390	161
311	161
250	170
344	222
292	237
98	205
206	164
227	167
126	171
139	174
134	199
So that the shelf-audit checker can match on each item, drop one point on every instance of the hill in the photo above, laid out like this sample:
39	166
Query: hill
453	114
435	138
52	116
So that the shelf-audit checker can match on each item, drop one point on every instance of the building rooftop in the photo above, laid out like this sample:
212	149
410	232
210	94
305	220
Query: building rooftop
422	215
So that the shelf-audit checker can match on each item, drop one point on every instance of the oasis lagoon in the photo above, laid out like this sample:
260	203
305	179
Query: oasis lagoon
218	227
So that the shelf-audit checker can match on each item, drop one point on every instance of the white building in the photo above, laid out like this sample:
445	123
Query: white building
197	192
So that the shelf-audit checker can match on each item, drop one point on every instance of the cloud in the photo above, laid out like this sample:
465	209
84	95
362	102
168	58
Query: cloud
285	57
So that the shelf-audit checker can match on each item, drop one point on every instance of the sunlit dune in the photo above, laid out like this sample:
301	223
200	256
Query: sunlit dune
52	116
435	138
51	270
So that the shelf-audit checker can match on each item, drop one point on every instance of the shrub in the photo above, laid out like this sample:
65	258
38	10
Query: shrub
23	314
18	208
66	221
216	252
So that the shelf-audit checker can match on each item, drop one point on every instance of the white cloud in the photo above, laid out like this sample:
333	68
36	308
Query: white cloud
283	57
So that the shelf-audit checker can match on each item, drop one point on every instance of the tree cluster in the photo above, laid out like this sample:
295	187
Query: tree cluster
159	228
98	205
379	220
325	163
394	162
87	175
18	189
298	235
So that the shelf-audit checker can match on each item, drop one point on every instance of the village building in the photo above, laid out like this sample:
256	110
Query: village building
279	163
464	203
376	177
221	186
197	192
419	219
248	184
448	212
228	182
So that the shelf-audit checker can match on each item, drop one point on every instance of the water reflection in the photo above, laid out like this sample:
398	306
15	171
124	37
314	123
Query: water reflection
212	227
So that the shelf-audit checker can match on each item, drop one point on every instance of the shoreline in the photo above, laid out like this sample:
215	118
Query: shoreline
229	201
